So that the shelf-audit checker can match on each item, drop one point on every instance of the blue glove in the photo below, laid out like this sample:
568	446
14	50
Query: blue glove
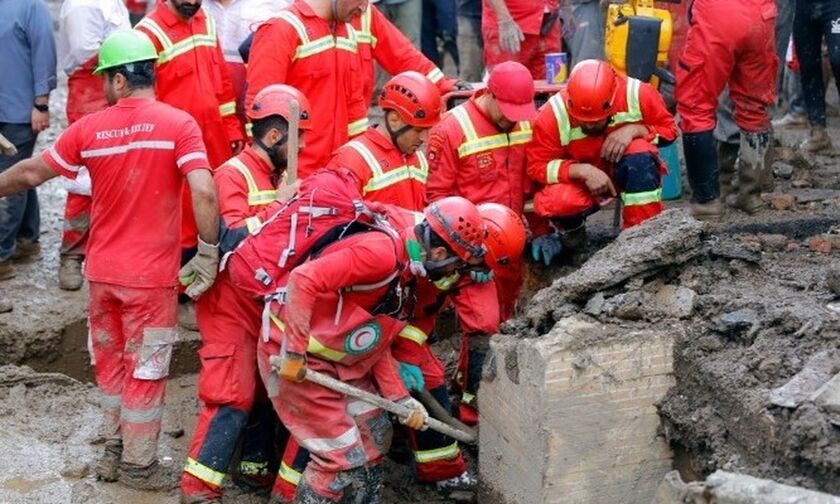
411	376
481	276
546	248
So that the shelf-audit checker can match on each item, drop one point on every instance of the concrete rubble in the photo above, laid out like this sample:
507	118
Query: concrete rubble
722	487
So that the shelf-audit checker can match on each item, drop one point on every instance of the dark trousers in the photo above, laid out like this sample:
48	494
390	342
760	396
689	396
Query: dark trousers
439	21
20	218
813	22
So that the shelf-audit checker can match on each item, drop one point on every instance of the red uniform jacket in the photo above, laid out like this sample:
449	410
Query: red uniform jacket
246	186
559	142
192	76
342	328
301	50
469	157
384	173
380	40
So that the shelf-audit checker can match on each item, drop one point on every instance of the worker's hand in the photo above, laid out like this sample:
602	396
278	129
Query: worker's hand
297	314
199	274
40	120
285	192
546	247
236	146
597	182
411	376
292	366
417	416
616	142
462	85
510	35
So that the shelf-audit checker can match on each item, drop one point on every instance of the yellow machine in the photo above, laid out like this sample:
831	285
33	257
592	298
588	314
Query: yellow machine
637	39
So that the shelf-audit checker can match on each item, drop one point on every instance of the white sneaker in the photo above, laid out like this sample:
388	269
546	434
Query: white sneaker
465	481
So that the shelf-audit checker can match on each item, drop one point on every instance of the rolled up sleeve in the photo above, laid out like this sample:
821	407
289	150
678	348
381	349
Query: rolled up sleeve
42	47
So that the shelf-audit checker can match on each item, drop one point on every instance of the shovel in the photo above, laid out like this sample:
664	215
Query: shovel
293	142
390	406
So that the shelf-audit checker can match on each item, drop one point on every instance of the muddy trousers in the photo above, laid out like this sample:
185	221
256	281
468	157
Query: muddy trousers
813	22
76	225
234	405
531	53
509	280
132	331
638	178
347	439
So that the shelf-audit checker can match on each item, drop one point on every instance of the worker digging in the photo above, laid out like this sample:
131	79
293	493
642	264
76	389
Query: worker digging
401	251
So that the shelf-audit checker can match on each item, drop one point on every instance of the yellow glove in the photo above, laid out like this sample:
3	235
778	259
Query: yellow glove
292	366
417	415
199	274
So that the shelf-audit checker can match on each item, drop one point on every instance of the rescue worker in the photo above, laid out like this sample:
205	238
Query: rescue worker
348	336
727	43
593	141
83	25
229	320
334	69
438	458
478	152
192	76
149	147
235	21
386	159
520	30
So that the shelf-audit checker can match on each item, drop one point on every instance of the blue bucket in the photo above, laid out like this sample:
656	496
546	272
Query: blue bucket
672	181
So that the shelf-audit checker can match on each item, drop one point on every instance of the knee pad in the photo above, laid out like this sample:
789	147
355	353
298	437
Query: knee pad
638	172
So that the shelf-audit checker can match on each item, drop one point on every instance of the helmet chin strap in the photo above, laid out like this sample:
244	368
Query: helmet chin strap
395	134
274	151
434	269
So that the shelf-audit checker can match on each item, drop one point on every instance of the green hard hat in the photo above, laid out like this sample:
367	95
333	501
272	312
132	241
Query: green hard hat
124	46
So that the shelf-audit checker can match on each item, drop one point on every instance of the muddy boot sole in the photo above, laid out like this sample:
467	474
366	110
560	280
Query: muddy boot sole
155	478
709	211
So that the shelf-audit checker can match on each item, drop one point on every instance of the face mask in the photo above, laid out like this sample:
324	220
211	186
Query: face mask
187	10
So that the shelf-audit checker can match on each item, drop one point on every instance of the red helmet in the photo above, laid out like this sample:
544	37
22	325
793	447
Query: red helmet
505	234
414	97
274	100
591	90
457	221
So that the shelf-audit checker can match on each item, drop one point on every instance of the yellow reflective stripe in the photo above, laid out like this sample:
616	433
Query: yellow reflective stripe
482	144
289	474
445	453
203	472
367	156
395	176
253	224
256	197
522	135
435	75
552	171
463	119
529	206
467	398
279	323
316	46
227	108
634	108
348	43
641	198
158	32
365	35
297	24
318	348
188	44
357	127
249	468
414	334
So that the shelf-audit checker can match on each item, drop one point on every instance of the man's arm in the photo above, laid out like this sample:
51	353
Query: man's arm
205	205
25	174
510	34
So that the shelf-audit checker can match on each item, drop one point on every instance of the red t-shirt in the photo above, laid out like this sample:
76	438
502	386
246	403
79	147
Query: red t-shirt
137	153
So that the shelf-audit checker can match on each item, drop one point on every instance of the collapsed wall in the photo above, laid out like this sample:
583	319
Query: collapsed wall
571	416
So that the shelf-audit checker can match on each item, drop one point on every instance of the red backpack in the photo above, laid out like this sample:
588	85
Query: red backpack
327	207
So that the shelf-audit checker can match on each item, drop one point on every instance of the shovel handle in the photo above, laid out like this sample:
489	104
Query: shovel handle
293	142
390	406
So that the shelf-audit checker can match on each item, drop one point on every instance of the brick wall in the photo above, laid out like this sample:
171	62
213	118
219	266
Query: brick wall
570	416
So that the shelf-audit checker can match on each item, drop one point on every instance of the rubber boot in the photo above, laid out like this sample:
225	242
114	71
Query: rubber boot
374	482
817	141
70	273
107	467
727	159
307	495
751	166
154	477
701	163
